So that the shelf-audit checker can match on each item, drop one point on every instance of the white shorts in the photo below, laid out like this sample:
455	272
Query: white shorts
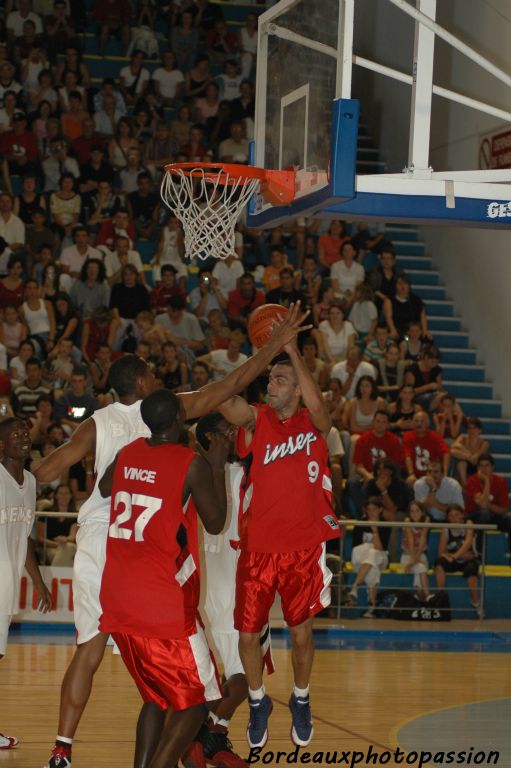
88	570
5	621
226	648
367	554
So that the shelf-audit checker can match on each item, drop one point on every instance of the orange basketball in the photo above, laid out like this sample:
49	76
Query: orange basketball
260	322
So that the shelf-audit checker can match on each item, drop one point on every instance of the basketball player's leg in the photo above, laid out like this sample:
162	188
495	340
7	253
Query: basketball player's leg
302	652
179	729
6	742
149	730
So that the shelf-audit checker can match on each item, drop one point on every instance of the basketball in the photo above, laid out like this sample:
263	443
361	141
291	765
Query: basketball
260	322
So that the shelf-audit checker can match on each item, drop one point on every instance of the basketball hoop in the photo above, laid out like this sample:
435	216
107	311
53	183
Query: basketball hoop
208	198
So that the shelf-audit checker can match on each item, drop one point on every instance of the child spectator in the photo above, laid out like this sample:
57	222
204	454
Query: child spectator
468	448
426	378
369	556
411	347
12	332
56	536
402	410
17	366
457	552
391	373
173	370
364	315
404	308
448	418
415	546
376	348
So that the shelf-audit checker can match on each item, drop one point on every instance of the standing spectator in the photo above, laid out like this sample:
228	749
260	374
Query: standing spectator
75	404
113	17
336	336
91	291
74	256
347	274
488	497
168	79
468	448
26	394
184	327
404	308
422	446
350	371
133	77
436	492
184	40
457	552
242	302
144	206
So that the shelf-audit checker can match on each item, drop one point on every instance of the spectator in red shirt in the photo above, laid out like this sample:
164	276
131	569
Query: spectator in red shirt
119	224
19	146
243	301
159	297
488	497
379	443
113	17
422	446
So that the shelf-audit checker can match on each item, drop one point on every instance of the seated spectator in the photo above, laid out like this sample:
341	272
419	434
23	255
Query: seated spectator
415	551
19	146
335	336
107	116
369	556
39	317
247	42
363	314
336	403
376	348
457	552
96	170
33	61
321	310
59	166
184	327
143	125
487	497
128	176
329	245
271	273
10	106
69	86
12	286
200	376
91	290
360	410
411	347
42	94
171	250
221	45
109	88
41	420
103	204
168	80
391	373
71	120
223	361
60	366
286	293
118	225
426	379
227	272
66	319
346	274
184	40
383	278
26	394
7	81
160	296
40	241
196	150
116	260
206	107
351	370
448	418
133	77
229	81
365	240
99	370
29	200
144	206
235	149
59	29
74	256
206	296
128	298
159	150
82	146
181	127
436	492
12	332
242	302
56	536
308	281
404	308
217	333
16	19
113	17
422	446
468	448
317	367
73	63
387	484
17	366
75	404
173	369
101	328
375	444
243	107
53	279
403	409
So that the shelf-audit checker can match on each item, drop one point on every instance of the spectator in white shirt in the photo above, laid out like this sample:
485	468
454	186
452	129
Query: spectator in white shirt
168	79
12	228
223	361
351	370
227	272
74	256
229	82
117	259
234	149
133	77
16	19
437	492
346	274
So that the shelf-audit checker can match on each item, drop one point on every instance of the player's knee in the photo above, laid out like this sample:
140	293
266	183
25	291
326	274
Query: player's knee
249	640
301	635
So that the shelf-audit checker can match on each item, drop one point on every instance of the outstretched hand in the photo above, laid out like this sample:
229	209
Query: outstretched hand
45	602
286	329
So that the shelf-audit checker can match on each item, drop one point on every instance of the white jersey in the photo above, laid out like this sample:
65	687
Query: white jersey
17	506
116	426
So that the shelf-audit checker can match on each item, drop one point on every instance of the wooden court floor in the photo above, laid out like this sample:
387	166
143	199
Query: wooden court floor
359	698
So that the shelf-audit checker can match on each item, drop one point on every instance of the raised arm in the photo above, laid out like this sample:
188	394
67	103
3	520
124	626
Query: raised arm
311	394
82	442
214	394
211	507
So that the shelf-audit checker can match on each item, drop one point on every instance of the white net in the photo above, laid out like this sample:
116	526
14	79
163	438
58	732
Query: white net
208	205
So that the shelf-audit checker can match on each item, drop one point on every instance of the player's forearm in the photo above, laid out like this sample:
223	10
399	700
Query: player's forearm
311	393
31	564
216	525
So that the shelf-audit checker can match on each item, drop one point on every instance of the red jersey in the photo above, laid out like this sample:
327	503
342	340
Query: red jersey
499	492
151	583
286	492
422	450
369	448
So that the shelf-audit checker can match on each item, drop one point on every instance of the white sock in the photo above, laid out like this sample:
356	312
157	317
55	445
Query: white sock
65	740
257	694
223	723
302	693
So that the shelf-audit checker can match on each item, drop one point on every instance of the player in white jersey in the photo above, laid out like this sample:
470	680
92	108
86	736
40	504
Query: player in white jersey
132	379
17	507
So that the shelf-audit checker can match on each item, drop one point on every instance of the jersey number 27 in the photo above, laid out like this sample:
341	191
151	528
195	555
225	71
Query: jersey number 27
150	506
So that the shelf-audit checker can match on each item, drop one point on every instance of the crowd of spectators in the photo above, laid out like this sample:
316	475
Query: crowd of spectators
82	161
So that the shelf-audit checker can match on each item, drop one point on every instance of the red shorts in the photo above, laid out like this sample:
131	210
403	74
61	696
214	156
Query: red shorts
301	578
177	673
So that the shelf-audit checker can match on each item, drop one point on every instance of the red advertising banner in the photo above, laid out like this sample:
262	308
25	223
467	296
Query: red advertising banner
495	150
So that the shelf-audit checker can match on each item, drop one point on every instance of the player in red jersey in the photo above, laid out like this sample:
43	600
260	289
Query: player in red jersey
288	518
151	584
